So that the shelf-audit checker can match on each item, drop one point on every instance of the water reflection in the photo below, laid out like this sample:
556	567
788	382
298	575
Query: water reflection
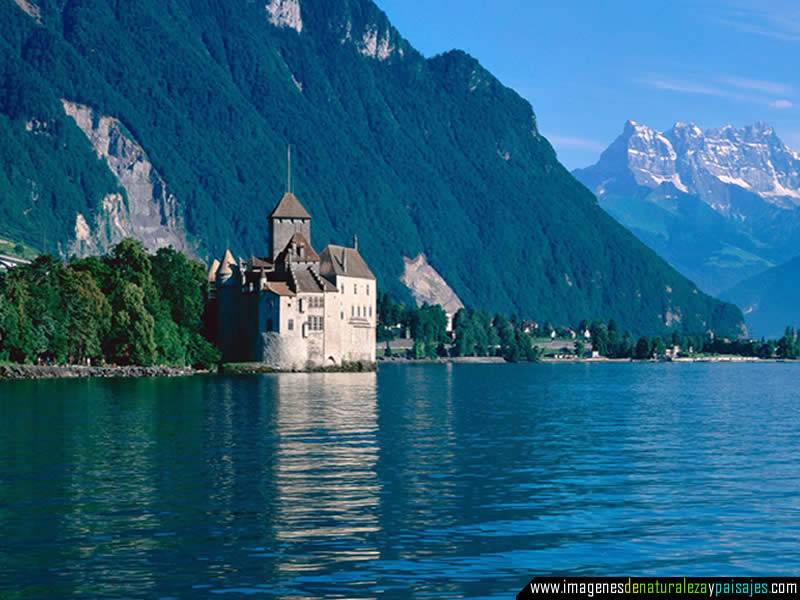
327	491
422	481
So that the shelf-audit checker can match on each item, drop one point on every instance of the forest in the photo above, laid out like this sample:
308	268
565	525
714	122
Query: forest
125	308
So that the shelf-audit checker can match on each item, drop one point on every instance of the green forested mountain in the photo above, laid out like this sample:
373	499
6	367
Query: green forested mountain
199	98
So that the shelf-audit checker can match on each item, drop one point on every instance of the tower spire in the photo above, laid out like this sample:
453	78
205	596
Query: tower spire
289	169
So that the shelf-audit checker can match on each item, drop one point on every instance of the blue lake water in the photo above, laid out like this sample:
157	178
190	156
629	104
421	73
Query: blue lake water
421	481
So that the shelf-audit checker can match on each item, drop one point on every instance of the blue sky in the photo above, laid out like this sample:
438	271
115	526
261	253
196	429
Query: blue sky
587	67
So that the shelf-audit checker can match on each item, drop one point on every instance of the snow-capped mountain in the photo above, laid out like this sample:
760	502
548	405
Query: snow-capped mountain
719	204
704	163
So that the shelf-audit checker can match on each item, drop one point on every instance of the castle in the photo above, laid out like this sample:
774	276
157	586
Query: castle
295	309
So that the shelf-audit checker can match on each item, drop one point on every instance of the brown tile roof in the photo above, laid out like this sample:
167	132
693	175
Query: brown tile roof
260	263
339	260
281	288
300	241
289	208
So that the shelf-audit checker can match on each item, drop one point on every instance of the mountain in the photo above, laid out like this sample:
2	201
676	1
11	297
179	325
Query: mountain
170	120
770	300
720	205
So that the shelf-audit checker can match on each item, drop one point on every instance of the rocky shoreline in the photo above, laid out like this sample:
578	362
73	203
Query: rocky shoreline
260	368
17	372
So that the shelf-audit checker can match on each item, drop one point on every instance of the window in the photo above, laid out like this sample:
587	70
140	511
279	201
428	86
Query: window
316	323
359	311
370	312
291	325
301	304
367	289
355	288
352	311
342	314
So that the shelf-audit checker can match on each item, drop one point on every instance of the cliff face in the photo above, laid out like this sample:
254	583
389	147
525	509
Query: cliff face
147	211
176	129
428	287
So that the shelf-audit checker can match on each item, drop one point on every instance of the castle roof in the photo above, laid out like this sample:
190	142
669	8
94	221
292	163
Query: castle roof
289	208
226	268
212	272
281	288
306	281
260	263
303	251
347	262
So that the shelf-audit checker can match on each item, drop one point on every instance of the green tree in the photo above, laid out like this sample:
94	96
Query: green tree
600	338
643	350
132	332
87	315
659	349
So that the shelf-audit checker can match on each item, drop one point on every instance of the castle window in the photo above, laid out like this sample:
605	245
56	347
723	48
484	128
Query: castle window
370	312
359	311
352	311
355	288
291	325
301	304
342	315
367	289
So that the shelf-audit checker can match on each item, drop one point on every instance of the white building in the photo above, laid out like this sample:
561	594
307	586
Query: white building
295	309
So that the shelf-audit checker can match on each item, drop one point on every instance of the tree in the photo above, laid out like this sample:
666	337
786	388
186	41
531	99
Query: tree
87	315
643	350
659	349
600	338
132	335
580	347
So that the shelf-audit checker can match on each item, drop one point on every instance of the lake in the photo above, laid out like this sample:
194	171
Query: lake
424	481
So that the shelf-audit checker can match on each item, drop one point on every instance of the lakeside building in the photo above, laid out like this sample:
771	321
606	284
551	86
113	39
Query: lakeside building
295	309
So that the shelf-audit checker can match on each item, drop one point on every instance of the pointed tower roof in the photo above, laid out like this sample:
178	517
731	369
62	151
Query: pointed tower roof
227	263
289	208
212	272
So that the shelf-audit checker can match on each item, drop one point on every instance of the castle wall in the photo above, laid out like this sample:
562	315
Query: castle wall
359	306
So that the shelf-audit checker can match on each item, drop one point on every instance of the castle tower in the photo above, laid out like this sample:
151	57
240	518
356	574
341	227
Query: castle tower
289	216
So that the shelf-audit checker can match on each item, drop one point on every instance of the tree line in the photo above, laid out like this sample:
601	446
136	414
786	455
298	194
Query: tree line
478	333
475	332
125	308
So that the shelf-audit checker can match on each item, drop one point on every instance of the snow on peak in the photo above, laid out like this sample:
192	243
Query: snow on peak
285	13
706	163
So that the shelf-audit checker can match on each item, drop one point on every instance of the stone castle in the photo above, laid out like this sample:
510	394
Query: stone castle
295	309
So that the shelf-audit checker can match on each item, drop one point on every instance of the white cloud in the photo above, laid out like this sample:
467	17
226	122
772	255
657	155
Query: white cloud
737	89
777	20
757	85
